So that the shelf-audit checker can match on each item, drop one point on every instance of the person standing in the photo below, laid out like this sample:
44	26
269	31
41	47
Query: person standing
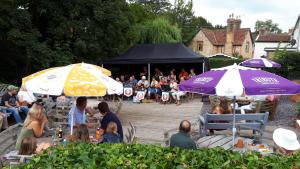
108	117
9	101
182	139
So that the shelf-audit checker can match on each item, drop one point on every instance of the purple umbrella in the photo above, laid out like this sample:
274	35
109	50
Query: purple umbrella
236	80
260	62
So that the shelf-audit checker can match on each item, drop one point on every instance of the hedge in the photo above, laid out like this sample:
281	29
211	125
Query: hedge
221	62
139	156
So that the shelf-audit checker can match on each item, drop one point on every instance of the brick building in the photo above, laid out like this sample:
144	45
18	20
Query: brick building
232	41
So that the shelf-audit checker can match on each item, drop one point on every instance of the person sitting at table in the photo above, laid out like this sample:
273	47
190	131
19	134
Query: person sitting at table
285	141
108	116
82	133
111	135
34	123
225	106
172	75
182	139
78	112
29	146
183	74
9	101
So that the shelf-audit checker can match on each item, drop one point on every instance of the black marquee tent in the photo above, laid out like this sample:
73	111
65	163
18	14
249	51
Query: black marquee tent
169	53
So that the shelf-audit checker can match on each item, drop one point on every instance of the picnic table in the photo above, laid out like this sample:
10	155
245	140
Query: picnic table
225	141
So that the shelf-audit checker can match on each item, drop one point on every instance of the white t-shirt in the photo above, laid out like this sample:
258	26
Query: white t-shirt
26	96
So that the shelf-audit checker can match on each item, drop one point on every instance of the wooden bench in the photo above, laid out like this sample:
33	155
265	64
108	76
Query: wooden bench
8	138
255	122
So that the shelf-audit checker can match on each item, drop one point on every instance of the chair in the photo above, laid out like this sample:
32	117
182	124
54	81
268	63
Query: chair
267	106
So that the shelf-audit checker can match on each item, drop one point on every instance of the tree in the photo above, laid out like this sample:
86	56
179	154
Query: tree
182	14
154	6
159	31
269	25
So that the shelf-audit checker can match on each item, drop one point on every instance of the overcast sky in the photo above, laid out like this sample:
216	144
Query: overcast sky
283	12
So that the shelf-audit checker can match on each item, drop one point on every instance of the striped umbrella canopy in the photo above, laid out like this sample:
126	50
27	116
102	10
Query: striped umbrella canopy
73	80
260	63
238	80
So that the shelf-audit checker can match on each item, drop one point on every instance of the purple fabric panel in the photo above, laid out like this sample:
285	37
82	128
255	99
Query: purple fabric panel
204	83
258	82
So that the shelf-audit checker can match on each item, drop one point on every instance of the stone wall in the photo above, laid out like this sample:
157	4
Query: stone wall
251	47
208	48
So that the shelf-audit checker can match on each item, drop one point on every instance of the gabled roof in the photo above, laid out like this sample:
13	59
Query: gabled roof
218	36
297	22
284	37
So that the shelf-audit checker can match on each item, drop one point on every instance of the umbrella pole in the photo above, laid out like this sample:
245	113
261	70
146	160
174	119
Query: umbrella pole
233	125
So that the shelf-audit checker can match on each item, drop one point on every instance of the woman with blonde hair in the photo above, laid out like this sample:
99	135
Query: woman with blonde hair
111	135
34	123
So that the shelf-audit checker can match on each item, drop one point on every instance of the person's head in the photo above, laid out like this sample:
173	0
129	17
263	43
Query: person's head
156	70
122	77
28	146
185	126
153	78
117	79
112	128
131	78
82	133
12	89
143	78
81	103
286	140
192	71
182	79
224	104
217	110
103	108
35	113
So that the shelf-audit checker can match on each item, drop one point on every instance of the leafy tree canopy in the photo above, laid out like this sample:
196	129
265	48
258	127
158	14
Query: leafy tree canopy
268	24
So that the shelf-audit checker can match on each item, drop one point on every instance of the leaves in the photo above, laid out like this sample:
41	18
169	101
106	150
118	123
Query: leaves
155	157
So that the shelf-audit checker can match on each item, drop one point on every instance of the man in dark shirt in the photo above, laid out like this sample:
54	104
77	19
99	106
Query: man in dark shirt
182	138
109	117
9	100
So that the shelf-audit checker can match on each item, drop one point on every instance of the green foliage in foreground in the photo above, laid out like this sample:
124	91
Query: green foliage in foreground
150	156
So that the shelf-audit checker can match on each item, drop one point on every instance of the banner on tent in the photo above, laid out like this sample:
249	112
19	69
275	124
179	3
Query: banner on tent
140	95
165	96
128	92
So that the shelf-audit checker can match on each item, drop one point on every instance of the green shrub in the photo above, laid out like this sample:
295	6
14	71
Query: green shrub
221	62
290	64
154	157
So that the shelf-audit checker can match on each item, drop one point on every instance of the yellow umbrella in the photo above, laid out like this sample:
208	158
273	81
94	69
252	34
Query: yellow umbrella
73	80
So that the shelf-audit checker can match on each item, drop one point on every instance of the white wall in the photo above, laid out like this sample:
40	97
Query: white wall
260	46
296	36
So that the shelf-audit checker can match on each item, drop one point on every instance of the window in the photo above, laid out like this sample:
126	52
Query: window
200	45
247	47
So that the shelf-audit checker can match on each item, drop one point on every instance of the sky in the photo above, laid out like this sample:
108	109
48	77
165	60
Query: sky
283	12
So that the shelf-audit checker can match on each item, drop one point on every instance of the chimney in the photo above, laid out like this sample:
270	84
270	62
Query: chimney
291	31
237	23
263	30
230	23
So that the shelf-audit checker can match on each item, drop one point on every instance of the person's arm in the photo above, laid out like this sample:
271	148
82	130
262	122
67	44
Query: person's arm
7	104
38	127
90	111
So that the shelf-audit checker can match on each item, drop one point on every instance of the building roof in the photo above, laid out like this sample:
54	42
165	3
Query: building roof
218	36
284	37
298	20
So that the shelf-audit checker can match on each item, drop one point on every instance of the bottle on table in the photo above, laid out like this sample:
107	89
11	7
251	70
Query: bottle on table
60	132
98	134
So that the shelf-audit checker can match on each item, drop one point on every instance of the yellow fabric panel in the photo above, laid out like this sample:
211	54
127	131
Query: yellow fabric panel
103	70
27	78
82	83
